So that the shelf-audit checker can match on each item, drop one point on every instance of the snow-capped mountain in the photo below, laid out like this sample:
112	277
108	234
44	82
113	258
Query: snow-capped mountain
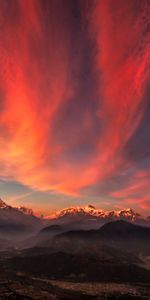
3	205
22	219
127	214
25	210
17	220
90	213
73	211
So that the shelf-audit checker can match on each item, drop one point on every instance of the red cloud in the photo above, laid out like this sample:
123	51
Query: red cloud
122	60
39	75
36	80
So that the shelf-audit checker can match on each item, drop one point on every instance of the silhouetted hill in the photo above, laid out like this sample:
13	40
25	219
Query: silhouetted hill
118	234
121	226
52	228
42	236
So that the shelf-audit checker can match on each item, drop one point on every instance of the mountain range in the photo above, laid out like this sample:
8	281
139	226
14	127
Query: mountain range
118	234
80	212
18	223
90	217
87	217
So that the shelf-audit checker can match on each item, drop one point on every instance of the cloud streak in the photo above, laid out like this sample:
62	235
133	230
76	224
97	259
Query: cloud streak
74	96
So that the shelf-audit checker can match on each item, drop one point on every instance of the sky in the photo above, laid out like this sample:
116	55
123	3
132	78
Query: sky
75	104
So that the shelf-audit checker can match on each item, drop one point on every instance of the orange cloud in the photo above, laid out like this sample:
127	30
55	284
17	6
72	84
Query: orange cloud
42	63
122	65
34	72
122	60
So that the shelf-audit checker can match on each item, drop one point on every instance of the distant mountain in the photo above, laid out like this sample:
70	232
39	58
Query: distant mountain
52	229
3	205
89	210
82	218
16	221
126	236
90	217
45	233
25	210
118	234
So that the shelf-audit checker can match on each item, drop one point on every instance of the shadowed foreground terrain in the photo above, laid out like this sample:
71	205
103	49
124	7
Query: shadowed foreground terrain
112	262
21	287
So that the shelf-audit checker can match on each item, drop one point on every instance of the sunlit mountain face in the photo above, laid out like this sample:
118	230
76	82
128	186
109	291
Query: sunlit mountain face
75	104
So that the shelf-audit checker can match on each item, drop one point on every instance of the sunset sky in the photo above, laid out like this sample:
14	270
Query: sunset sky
75	103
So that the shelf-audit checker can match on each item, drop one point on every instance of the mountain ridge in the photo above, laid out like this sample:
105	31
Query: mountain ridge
78	217
16	222
88	210
91	213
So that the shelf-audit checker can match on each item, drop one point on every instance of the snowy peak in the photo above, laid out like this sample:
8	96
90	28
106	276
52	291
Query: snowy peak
127	214
17	219
25	210
90	212
3	204
22	209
